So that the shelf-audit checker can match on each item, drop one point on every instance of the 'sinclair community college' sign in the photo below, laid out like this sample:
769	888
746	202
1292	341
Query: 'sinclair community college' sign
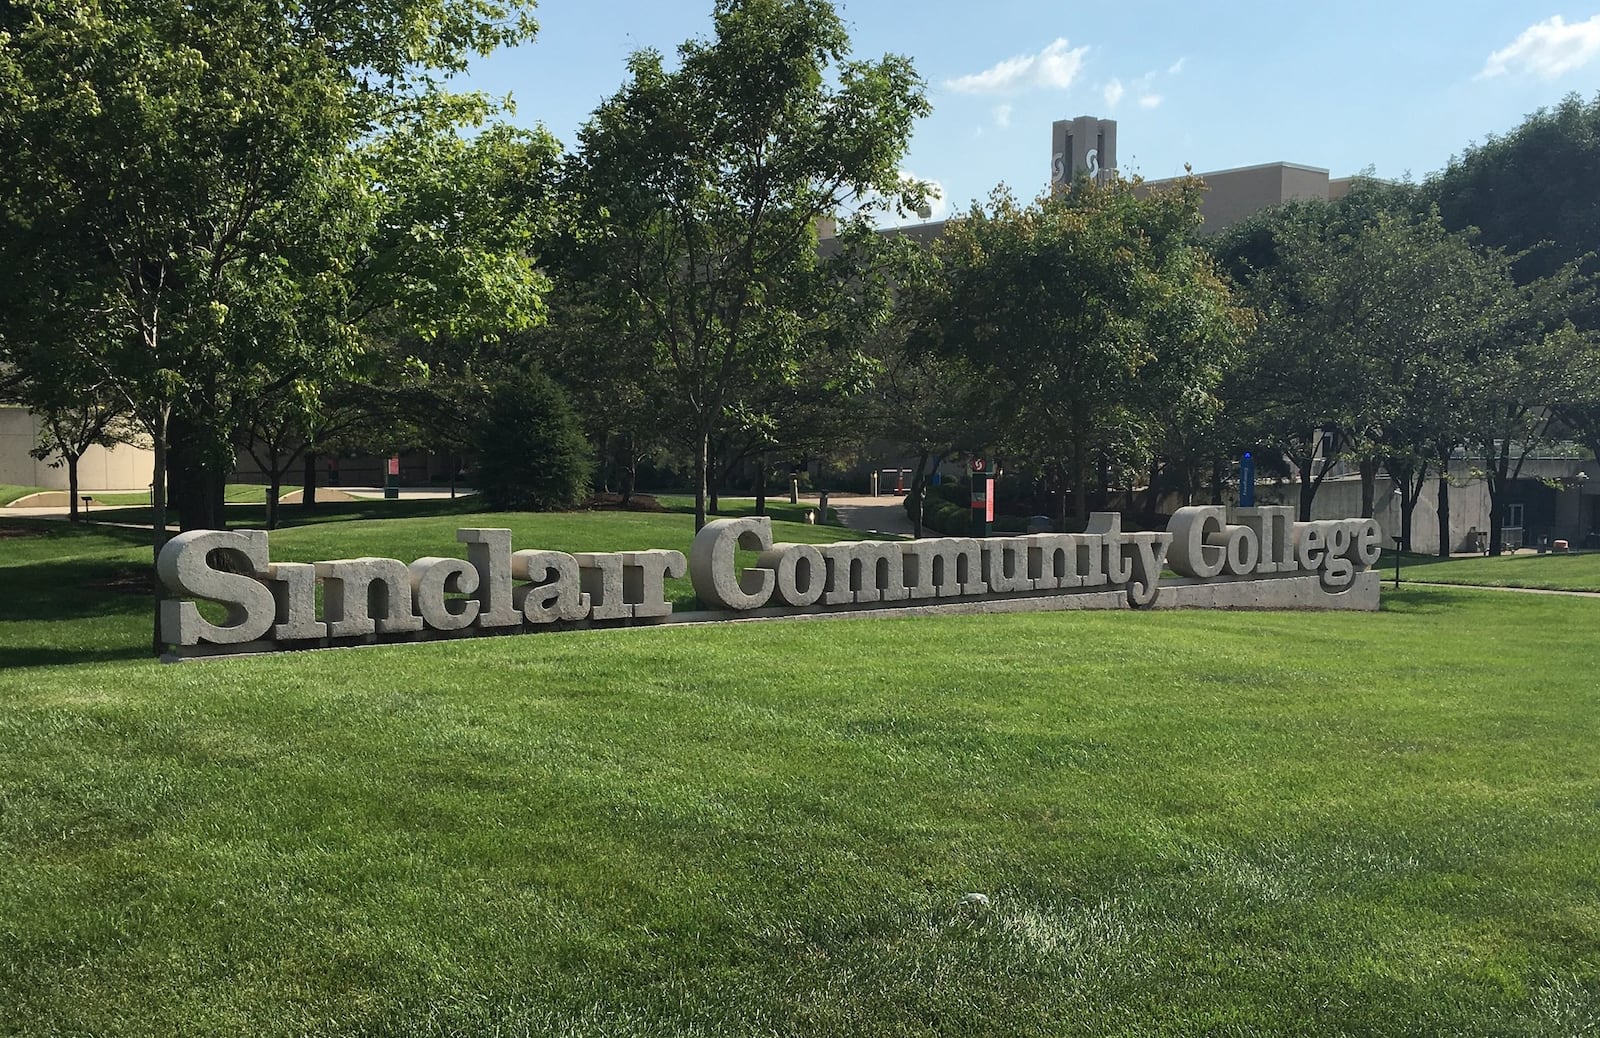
1263	560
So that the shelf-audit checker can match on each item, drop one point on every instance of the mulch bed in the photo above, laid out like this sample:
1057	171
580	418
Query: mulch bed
613	503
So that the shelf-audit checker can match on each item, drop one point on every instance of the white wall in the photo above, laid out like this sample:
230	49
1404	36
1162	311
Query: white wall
121	468
1341	498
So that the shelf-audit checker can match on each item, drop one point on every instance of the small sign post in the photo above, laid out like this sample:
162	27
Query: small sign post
1247	481
982	496
391	485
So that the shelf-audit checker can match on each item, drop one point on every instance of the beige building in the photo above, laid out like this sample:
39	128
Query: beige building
1233	194
120	468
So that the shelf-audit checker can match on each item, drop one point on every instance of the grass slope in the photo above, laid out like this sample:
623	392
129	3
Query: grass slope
1186	823
10	492
1577	572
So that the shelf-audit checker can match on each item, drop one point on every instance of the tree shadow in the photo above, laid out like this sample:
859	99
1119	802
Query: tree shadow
1419	599
255	516
59	656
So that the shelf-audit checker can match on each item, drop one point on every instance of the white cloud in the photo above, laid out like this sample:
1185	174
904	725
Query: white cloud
1113	92
1549	49
938	206
937	209
1177	66
886	212
1149	100
1002	116
1054	68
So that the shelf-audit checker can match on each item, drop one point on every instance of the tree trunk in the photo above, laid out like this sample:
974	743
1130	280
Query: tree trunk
1308	491
158	510
1497	485
1217	466
72	486
1497	523
1410	478
455	469
761	484
700	467
308	486
217	487
630	469
1062	482
197	485
1080	480
197	493
274	491
1152	495
1369	485
1444	504
919	482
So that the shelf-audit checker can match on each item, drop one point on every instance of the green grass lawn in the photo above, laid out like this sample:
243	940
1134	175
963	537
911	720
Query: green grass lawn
1579	572
777	507
10	492
1186	823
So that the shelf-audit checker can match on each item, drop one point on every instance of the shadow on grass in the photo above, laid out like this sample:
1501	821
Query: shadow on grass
1418	599
54	656
30	528
329	512
1408	560
75	595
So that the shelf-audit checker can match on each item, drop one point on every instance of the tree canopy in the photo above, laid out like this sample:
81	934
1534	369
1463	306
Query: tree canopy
699	188
1094	315
235	192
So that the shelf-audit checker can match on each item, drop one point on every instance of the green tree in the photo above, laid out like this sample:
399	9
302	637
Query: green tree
699	188
531	451
76	406
1369	308
205	178
1095	318
1532	192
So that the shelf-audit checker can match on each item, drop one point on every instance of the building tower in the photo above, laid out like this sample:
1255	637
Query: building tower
1082	145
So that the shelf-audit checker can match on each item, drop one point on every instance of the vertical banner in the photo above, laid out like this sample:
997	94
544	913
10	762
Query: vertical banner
982	496
1247	481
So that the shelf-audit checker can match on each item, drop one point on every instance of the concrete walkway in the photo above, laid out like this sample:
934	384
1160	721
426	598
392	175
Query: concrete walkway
883	514
1495	587
88	513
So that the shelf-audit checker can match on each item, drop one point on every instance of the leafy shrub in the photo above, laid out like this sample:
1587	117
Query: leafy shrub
532	454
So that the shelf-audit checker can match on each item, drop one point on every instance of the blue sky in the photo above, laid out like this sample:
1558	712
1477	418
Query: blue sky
1398	86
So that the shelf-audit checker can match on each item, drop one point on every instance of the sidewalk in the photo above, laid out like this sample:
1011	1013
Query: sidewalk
883	514
59	511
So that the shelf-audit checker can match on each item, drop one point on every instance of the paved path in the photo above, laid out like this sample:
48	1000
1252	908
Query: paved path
1494	587
357	493
882	514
